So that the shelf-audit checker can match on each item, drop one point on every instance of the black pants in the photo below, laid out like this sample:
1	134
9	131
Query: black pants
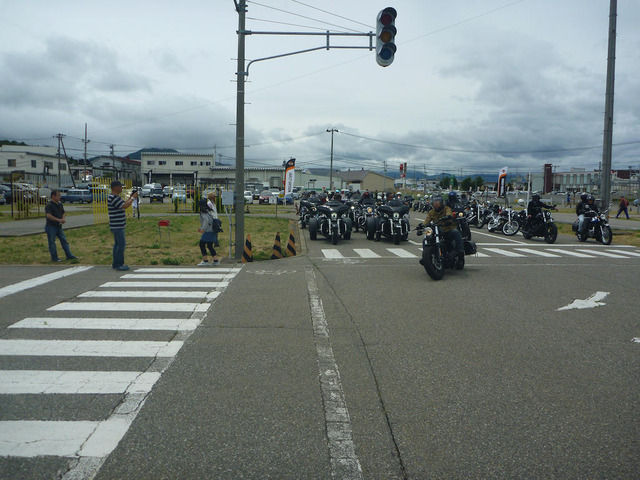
209	245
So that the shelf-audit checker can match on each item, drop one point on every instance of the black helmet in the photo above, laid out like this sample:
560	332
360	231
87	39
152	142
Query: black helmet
536	197
437	198
452	194
584	196
591	198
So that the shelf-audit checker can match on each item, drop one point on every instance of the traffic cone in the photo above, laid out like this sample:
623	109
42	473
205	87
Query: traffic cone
291	245
247	254
277	250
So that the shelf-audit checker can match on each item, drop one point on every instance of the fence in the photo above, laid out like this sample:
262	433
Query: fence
100	189
30	192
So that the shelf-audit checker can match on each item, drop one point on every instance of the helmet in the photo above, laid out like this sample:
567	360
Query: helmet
436	198
591	199
583	197
521	202
536	197
452	194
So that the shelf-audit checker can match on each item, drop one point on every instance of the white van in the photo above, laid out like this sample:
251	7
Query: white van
145	191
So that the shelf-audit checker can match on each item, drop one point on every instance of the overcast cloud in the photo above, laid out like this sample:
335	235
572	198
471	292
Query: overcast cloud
474	86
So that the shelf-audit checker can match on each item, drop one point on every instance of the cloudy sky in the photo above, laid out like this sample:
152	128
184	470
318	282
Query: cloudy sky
475	86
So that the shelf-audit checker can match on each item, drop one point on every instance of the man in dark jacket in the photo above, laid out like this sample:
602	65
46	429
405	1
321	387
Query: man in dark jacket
534	208
53	227
584	207
449	228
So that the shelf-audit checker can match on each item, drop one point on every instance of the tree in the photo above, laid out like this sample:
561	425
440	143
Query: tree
467	184
445	182
454	182
478	183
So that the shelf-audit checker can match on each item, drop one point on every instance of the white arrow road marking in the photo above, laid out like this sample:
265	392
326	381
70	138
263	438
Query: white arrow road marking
591	302
636	340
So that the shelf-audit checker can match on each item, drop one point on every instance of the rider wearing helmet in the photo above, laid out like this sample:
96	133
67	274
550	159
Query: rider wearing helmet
534	209
586	204
449	229
453	202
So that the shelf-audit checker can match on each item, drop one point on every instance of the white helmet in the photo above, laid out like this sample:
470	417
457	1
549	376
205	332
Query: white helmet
521	202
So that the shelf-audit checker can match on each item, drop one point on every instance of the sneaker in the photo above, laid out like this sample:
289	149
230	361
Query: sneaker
122	268
203	263
73	257
215	262
56	260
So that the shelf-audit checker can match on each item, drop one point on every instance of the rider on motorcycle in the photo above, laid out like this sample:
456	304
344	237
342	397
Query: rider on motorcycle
449	229
453	202
533	211
581	208
587	209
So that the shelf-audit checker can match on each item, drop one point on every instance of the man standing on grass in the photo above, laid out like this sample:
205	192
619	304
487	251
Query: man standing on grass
117	222
53	227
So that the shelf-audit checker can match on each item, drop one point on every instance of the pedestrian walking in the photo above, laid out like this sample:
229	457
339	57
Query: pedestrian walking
136	208
569	199
624	204
117	222
209	230
211	202
53	227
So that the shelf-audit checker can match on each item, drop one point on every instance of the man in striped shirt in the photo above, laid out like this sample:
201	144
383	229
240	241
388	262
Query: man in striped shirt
117	222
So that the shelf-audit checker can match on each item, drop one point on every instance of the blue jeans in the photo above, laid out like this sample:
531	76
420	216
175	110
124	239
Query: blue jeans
53	233
119	244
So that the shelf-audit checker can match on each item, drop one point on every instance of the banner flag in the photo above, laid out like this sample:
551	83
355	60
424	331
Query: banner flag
289	176
502	182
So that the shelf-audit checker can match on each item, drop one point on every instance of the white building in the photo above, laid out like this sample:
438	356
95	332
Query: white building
40	165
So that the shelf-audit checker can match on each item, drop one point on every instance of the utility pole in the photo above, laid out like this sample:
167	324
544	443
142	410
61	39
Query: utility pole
605	178
241	8
84	166
331	164
59	137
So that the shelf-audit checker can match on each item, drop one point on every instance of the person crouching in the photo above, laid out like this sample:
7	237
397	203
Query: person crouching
209	235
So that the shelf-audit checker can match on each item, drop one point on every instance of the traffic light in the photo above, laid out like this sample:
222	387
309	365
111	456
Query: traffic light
385	36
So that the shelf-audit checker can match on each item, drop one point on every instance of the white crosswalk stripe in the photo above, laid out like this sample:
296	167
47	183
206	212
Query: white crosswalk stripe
505	253
570	253
540	253
366	253
598	252
625	252
185	293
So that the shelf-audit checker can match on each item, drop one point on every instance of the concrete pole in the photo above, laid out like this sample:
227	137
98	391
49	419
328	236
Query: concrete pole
331	164
605	179
239	188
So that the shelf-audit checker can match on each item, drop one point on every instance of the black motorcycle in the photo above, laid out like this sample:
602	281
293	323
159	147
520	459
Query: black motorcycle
596	227
392	221
438	253
355	212
477	215
306	211
332	221
541	226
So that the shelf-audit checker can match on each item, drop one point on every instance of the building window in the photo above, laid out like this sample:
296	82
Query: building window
11	162
178	163
48	165
194	164
63	166
162	162
33	164
151	162
208	164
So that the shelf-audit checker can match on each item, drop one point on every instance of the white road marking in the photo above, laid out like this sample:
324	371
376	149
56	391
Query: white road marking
591	302
89	348
342	453
482	255
91	323
569	252
540	253
401	252
149	284
602	254
150	294
505	253
175	276
216	270
41	280
14	382
625	252
366	253
131	307
505	239
636	340
332	253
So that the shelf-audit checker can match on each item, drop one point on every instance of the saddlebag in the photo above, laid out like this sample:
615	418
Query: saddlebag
470	247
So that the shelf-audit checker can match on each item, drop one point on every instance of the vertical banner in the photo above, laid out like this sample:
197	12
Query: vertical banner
289	176
502	182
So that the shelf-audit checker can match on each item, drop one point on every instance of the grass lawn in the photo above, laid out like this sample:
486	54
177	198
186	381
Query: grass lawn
93	244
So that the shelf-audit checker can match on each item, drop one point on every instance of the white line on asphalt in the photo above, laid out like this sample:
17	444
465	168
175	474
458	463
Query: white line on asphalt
131	307
482	255
149	284
150	294
41	280
505	239
175	276
20	382
602	254
89	348
415	243
331	253
366	253
540	253
569	252
506	253
591	302
187	270
632	254
92	323
342	452
401	252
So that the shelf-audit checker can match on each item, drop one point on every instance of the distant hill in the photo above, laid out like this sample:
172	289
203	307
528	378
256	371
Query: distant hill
12	142
138	155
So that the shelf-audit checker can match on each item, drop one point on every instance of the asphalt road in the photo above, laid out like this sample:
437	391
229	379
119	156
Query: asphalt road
350	362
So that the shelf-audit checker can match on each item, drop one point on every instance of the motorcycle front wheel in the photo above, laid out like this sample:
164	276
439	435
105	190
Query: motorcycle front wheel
334	236
313	228
511	228
551	233
432	262
606	235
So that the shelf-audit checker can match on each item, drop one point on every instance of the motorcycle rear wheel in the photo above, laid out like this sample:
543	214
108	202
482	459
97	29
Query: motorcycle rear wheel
432	263
313	228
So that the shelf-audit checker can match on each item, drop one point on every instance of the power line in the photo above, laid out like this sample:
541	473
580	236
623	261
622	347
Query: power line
334	14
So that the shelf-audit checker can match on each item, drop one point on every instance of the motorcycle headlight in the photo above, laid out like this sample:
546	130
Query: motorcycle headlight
428	231
396	215
461	214
334	216
369	210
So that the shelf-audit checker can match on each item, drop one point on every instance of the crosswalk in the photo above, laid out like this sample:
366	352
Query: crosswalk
508	251
146	302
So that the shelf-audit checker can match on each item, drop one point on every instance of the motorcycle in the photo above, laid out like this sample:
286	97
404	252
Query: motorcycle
332	221
543	227
437	253
390	221
306	211
477	215
597	227
354	214
504	220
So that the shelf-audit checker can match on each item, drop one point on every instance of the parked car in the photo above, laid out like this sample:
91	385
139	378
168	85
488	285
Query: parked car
167	191
2	199
266	195
248	196
77	195
284	199
145	191
179	195
156	195
6	191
